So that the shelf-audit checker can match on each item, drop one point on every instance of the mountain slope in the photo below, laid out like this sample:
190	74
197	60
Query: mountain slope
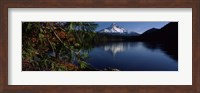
167	37
167	33
133	34
150	31
114	29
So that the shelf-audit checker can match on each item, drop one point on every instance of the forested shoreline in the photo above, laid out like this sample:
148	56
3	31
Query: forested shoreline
54	46
64	46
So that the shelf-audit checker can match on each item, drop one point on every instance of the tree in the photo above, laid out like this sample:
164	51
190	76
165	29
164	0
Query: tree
64	41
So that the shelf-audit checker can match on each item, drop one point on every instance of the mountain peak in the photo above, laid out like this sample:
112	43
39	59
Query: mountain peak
113	24
153	28
114	28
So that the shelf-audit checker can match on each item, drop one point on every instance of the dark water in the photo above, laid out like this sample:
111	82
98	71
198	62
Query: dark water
133	56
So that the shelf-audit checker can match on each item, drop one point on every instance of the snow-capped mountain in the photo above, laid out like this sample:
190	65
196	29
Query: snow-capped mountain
114	29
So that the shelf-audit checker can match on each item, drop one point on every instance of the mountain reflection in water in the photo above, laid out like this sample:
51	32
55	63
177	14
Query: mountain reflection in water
134	56
115	48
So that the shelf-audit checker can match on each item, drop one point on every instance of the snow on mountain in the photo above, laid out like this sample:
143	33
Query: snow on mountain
114	29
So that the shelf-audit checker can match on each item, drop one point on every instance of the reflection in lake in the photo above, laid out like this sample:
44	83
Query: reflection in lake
115	48
133	56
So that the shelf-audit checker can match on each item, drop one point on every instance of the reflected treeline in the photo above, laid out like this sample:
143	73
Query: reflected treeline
117	47
170	49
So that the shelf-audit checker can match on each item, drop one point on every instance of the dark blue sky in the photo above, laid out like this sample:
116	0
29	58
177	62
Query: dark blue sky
138	27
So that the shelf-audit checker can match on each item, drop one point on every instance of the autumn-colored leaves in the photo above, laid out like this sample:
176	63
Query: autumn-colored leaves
41	39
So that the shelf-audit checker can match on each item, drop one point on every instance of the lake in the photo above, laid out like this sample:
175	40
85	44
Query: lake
133	56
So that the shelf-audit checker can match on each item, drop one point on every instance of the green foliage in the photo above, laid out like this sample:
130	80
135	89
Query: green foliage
84	55
83	64
56	46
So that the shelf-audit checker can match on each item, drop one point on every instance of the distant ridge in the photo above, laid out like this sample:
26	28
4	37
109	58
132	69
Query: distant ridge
167	33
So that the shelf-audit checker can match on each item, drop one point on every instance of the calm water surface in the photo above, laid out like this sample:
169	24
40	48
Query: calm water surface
132	56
